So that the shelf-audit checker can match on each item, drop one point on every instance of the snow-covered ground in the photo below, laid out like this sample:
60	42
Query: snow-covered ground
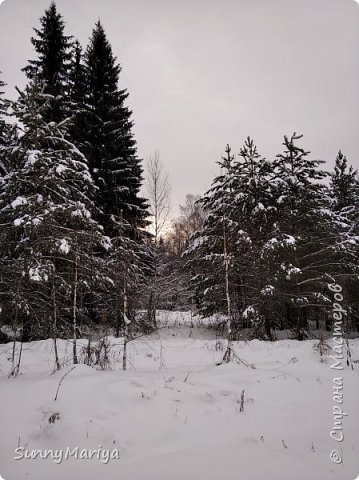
175	414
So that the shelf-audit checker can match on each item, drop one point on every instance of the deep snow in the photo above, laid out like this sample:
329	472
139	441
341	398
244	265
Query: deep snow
175	414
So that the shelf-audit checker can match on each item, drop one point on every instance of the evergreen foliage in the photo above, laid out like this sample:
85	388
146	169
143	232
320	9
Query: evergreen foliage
51	67
47	211
108	140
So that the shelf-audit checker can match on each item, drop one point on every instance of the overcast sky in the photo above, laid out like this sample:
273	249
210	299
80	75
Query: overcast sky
203	73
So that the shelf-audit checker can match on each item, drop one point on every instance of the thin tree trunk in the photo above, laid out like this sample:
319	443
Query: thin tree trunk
151	309
126	320
152	300
54	323
118	315
268	327
16	370
13	352
228	352
74	312
15	333
301	318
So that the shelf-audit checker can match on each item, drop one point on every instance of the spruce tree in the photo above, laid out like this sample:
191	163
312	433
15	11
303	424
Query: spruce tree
303	241
274	235
105	136
51	66
240	212
255	214
344	190
6	132
4	104
108	140
50	239
77	94
209	264
77	75
344	183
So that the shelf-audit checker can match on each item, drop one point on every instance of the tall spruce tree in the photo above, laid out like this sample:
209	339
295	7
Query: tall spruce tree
51	67
108	140
6	132
77	76
77	94
4	104
102	130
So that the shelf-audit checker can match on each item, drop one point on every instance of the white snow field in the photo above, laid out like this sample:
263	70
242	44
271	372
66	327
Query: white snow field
175	415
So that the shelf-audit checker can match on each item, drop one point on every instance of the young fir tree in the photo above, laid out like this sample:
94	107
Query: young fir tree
108	140
50	240
344	190
302	247
51	67
209	263
344	183
254	209
239	207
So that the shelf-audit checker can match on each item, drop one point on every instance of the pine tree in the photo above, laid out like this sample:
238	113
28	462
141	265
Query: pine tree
108	140
51	68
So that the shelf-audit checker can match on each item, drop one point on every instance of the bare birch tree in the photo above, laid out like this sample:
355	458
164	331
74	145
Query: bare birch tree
159	196
158	190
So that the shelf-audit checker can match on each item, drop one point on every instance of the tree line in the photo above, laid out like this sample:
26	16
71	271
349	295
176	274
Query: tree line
260	247
275	236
